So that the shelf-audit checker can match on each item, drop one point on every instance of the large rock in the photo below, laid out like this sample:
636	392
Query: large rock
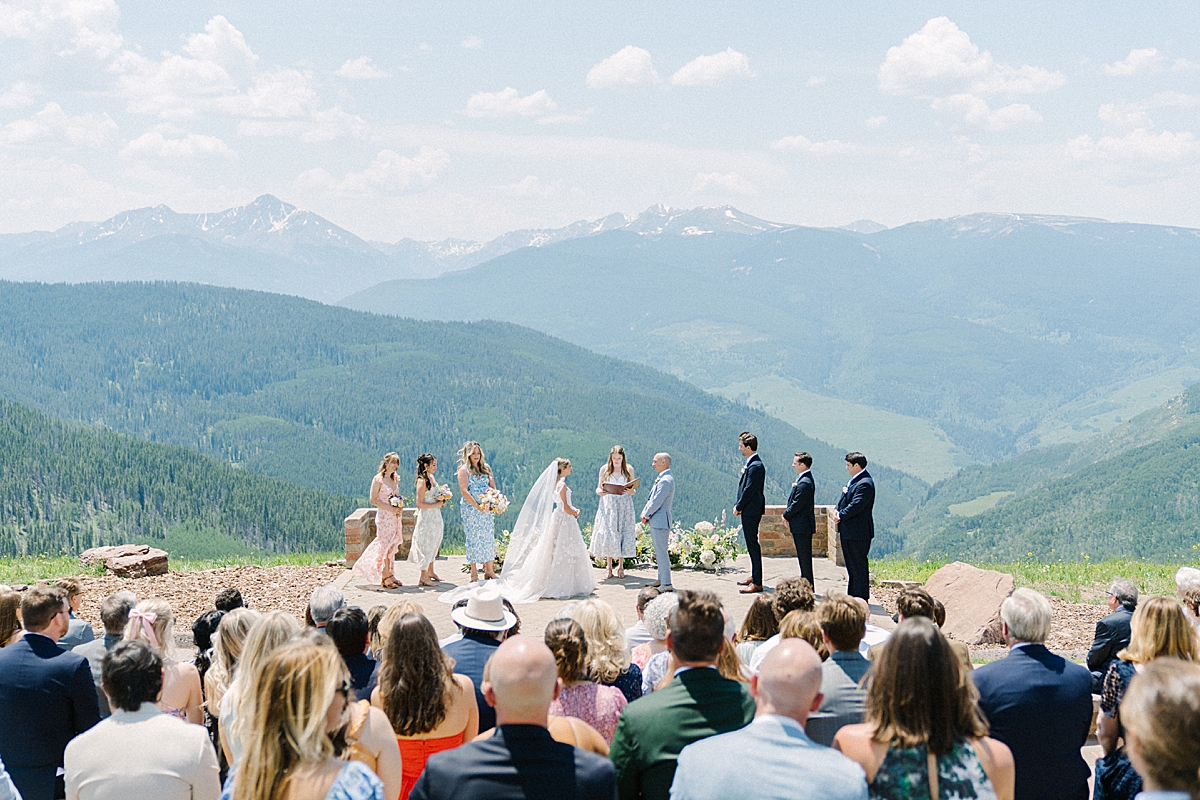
972	597
128	560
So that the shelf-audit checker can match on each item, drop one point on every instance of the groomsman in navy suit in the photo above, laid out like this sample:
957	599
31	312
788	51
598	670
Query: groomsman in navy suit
750	505
856	526
800	514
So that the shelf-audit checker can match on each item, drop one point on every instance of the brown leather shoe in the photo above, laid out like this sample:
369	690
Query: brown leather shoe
747	582
753	588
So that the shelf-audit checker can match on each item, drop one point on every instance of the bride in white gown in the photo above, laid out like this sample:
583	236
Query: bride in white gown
546	554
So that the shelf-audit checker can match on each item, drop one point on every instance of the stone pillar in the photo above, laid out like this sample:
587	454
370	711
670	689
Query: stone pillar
359	529
776	537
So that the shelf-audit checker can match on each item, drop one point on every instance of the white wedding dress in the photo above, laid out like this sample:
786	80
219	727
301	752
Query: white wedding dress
546	554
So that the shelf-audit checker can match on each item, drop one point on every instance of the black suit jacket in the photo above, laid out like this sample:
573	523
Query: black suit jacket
799	511
520	762
1112	635
854	509
471	654
1040	705
750	497
46	699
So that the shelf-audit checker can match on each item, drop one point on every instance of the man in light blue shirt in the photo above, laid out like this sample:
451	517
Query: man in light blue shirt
772	758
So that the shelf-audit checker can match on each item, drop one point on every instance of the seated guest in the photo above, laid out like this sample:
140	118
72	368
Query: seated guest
203	630
1191	606
1161	714
791	594
916	602
485	623
696	704
924	735
1037	703
772	758
658	614
349	630
10	616
1186	578
1159	629
843	619
608	653
367	736
598	706
520	760
46	696
267	635
1112	632
383	626
728	663
300	700
140	751
151	621
114	613
227	649
80	631
759	625
7	790
637	634
374	615
229	599
430	707
804	625
323	601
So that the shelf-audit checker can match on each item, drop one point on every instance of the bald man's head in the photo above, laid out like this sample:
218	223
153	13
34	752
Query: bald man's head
789	681
523	681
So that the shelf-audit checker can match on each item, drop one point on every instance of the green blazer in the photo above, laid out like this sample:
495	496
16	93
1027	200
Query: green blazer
652	730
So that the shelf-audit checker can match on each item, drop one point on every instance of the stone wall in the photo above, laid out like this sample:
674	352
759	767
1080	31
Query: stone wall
359	529
776	538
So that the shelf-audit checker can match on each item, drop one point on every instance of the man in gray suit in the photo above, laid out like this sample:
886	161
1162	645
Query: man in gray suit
114	613
843	623
657	514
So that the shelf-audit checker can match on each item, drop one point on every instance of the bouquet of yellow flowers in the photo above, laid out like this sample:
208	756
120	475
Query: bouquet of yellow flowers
493	501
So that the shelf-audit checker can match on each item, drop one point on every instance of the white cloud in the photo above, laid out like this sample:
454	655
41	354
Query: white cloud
628	66
1184	64
975	111
67	26
21	94
323	125
722	183
1139	145
1137	61
531	186
875	122
508	103
168	141
941	58
815	80
360	69
801	144
1136	115
571	118
389	173
221	43
472	43
53	124
714	70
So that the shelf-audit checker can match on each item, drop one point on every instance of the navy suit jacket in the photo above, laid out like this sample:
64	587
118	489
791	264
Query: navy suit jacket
854	509
46	699
1112	636
750	497
520	762
1040	705
799	512
470	654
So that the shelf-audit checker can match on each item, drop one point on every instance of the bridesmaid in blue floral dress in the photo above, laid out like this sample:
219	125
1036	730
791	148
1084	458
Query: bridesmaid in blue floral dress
614	533
479	526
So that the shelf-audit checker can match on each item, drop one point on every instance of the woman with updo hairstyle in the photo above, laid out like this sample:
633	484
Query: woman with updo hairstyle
430	708
924	735
427	535
597	705
1161	714
479	526
151	621
300	699
378	560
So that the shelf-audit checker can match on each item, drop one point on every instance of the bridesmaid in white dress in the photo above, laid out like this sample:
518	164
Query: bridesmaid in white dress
427	535
614	533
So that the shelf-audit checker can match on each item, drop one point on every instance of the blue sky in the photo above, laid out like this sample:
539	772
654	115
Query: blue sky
471	119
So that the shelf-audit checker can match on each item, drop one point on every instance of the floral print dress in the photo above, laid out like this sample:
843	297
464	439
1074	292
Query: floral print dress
479	527
388	537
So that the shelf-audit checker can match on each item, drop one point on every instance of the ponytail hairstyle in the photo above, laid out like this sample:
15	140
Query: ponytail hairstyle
464	459
388	459
423	462
563	463
610	468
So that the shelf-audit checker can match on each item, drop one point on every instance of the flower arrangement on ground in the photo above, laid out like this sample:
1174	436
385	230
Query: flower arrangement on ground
501	551
706	545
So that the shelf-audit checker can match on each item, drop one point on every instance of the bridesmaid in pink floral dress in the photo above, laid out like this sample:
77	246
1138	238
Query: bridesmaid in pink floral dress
378	561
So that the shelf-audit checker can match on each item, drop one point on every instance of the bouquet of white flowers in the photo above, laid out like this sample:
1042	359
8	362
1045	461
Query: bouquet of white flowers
493	501
397	501
443	493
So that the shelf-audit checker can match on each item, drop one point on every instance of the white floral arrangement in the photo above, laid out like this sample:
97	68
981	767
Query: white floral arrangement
493	502
706	545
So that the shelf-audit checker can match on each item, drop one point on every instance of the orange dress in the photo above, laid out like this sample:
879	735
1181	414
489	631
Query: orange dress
415	752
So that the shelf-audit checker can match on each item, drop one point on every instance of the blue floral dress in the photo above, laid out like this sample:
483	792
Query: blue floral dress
356	781
614	533
479	527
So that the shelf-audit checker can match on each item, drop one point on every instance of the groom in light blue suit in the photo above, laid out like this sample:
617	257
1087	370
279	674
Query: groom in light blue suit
657	514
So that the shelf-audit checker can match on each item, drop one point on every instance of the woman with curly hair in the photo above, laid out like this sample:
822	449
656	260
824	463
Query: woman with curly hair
608	652
598	706
430	708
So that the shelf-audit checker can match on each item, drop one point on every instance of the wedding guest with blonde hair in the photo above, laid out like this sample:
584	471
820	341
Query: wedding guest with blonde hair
151	621
614	533
479	526
1161	713
805	625
300	699
266	636
608	655
378	561
227	649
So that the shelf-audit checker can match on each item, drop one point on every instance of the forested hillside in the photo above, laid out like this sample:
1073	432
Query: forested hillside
316	394
65	488
1133	492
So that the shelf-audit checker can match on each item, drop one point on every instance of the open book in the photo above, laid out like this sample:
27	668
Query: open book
618	488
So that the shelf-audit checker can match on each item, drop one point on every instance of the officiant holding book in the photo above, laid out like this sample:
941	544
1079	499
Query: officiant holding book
614	533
